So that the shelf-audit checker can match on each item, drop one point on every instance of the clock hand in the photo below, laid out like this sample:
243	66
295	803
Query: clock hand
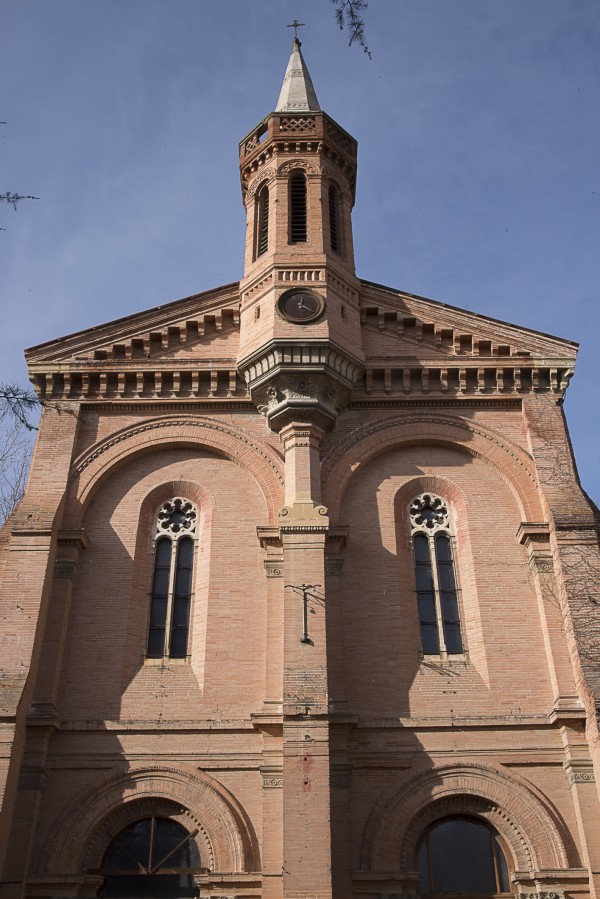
301	304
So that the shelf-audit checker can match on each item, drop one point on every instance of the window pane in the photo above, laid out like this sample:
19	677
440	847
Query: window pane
424	577
163	554
446	576
453	639
179	638
451	623
181	611
426	608
158	611
183	581
156	643
430	639
421	545
185	553
160	585
502	868
443	548
461	857
130	846
167	835
424	867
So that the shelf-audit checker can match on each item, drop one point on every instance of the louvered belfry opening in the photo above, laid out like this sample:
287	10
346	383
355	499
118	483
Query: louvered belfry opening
334	234
262	244
298	231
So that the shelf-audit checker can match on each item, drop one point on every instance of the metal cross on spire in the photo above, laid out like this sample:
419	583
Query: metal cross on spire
296	25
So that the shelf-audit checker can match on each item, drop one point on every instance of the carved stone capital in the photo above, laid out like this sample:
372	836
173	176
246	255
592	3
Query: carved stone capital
272	776
334	566
274	567
579	772
541	563
303	380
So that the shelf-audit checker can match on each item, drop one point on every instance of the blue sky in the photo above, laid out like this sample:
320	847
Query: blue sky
479	155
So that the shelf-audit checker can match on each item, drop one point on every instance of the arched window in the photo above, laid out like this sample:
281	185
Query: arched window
297	206
334	219
262	221
461	855
437	596
172	580
153	857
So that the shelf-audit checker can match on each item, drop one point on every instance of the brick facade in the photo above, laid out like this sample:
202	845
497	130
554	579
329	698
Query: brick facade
306	741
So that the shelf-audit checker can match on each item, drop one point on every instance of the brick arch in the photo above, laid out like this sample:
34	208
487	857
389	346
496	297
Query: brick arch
373	438
158	495
439	486
336	176
230	441
82	830
286	168
530	827
262	178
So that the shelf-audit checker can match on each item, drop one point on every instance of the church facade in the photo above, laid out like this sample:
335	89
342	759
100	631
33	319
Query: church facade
302	598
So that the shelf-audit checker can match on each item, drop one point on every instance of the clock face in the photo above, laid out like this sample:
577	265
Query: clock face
300	305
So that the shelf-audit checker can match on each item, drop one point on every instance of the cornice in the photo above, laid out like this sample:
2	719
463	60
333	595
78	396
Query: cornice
170	380
440	377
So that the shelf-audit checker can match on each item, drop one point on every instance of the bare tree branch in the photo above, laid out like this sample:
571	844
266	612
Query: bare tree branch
13	199
348	15
15	454
18	402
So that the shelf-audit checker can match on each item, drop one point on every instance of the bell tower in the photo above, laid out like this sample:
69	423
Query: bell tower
300	355
300	344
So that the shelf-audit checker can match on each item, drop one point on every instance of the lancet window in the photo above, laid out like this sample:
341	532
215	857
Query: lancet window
297	208
262	221
171	596
437	594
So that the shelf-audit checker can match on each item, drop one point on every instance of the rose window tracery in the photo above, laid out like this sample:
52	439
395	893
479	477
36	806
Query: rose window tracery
176	517
429	513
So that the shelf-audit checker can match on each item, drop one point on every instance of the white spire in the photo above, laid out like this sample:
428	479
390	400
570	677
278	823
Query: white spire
297	91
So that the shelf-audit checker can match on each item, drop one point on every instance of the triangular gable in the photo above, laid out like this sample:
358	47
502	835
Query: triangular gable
418	347
401	324
154	333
